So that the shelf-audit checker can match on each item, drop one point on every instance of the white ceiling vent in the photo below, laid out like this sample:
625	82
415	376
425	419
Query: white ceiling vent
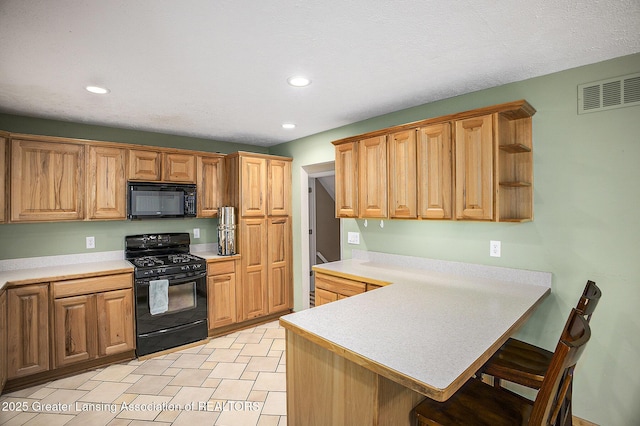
609	94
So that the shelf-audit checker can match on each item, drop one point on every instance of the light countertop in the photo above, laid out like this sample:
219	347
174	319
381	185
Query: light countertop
431	329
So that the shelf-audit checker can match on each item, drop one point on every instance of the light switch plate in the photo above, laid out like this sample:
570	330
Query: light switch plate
196	232
353	237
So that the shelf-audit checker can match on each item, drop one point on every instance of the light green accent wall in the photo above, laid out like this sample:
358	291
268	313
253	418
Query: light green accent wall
586	204
46	239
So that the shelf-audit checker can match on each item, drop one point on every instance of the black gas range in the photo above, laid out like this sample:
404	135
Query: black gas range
170	289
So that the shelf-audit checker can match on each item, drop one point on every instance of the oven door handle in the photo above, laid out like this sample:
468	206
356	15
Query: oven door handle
176	281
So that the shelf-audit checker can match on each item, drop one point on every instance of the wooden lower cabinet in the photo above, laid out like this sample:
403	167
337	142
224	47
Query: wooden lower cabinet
90	326
28	330
330	288
3	339
221	294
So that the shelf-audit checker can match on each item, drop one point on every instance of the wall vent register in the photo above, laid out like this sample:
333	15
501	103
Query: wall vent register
609	94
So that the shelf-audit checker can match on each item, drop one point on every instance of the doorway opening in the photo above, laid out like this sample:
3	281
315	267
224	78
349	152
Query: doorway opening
320	228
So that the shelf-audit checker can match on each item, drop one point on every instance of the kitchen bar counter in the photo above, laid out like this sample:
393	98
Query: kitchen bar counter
428	332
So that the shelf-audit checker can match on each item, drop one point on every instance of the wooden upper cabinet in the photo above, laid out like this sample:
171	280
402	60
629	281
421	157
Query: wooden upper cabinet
435	176
474	168
210	184
28	330
106	183
3	179
179	167
402	175
347	179
279	184
372	170
47	181
253	186
144	165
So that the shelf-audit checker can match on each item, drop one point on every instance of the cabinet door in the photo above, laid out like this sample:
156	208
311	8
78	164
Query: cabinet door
115	322
279	260
210	185
3	339
372	170
221	300
253	188
107	184
435	171
74	333
179	168
144	165
28	330
474	168
324	296
402	175
253	233
3	173
347	180
47	182
279	185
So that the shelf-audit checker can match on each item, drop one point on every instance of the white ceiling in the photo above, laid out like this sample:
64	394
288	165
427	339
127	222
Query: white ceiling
217	69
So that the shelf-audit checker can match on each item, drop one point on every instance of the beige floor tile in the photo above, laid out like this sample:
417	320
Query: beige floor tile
205	351
275	404
281	368
232	418
271	382
274	333
46	419
132	378
62	401
239	346
144	407
126	398
278	345
149	385
189	361
227	370
106	392
191	350
153	366
190	377
221	343
257	349
259	396
167	416
243	359
119	422
89	385
114	373
171	371
42	393
196	418
24	393
245	337
261	363
235	390
208	365
265	420
283	421
15	418
148	423
72	382
224	355
249	375
18	404
93	418
211	383
170	390
195	397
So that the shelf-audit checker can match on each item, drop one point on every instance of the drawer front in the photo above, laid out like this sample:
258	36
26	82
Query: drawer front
91	285
339	285
220	268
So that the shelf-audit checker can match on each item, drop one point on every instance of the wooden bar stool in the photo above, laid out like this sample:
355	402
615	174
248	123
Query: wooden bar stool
480	404
525	364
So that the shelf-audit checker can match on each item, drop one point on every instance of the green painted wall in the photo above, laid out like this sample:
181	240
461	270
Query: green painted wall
45	239
586	204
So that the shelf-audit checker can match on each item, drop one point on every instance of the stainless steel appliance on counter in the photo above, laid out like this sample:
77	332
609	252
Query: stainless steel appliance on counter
170	286
227	231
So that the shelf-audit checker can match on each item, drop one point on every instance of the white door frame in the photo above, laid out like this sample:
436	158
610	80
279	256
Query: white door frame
306	172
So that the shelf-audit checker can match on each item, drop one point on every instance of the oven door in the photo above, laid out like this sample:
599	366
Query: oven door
187	304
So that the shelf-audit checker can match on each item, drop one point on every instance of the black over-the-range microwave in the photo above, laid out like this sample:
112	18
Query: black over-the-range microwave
146	200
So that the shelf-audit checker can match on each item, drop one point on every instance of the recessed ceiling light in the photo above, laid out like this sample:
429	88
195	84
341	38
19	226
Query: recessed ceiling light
97	90
288	126
299	81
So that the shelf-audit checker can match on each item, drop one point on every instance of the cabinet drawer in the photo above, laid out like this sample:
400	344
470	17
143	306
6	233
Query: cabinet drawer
338	285
91	285
220	268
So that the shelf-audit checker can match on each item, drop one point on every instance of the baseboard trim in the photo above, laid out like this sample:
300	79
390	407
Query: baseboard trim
577	421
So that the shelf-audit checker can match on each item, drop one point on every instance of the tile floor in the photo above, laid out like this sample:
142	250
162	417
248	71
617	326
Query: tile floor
237	379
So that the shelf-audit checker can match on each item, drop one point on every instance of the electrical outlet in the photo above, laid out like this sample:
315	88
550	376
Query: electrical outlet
353	237
91	242
196	232
494	248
